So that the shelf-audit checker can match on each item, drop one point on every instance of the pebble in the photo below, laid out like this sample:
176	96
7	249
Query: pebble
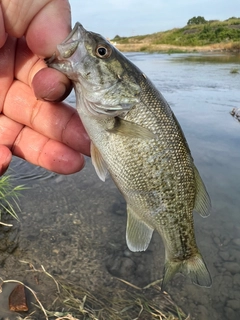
230	314
127	266
232	267
237	242
236	279
233	304
217	241
224	255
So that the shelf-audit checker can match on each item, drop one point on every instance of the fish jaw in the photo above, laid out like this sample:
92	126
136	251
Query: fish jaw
70	53
105	91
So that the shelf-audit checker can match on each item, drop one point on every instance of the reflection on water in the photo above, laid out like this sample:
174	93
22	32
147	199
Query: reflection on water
80	221
210	58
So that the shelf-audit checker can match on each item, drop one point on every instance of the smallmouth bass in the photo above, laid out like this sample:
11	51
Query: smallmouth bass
136	137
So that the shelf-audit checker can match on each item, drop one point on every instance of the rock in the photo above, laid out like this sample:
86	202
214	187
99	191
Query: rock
237	242
236	279
235	255
232	267
217	241
233	304
203	312
127	267
17	299
230	314
224	255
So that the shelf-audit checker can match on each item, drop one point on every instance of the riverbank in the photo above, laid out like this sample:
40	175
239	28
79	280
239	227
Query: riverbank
167	48
208	36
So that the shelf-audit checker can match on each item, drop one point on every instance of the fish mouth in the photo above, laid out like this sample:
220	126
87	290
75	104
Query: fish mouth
68	47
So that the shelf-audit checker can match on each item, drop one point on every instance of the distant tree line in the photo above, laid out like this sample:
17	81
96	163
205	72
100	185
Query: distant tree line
196	20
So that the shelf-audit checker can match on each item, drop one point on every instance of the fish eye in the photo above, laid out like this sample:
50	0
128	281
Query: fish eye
103	51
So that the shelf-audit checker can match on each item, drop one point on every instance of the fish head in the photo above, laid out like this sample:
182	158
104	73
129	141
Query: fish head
99	72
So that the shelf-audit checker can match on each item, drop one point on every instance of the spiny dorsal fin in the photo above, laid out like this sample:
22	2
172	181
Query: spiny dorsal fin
139	234
130	129
202	200
98	163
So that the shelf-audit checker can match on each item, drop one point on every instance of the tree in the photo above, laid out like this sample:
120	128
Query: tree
196	20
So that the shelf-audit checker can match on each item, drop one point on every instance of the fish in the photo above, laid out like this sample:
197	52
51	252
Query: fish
136	137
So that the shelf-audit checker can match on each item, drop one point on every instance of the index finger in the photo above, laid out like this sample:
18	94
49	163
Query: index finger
45	23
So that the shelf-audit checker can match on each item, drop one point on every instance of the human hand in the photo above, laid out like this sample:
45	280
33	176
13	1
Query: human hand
42	132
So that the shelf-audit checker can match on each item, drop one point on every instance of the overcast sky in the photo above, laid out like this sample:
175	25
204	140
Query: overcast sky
138	17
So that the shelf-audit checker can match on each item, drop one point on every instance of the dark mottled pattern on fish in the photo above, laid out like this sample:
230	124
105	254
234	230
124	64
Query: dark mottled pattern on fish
136	137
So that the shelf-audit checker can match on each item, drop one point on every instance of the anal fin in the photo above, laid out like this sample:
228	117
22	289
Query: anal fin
138	234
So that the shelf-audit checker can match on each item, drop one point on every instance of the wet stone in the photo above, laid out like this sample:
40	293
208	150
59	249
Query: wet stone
224	255
236	279
237	242
17	299
203	312
233	304
127	267
217	241
235	254
230	313
232	267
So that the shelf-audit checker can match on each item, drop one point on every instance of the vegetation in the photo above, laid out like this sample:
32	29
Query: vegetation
9	196
197	32
77	303
196	20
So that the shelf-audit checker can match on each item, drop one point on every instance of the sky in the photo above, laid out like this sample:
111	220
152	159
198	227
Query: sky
139	17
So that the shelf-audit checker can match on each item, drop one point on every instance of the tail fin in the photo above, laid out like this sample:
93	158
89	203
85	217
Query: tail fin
194	267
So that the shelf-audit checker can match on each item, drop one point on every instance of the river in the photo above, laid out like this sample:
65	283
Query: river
75	225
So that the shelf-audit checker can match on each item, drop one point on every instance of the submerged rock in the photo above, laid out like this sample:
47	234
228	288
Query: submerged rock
236	113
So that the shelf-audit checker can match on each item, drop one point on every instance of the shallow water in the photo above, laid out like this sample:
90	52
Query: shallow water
75	225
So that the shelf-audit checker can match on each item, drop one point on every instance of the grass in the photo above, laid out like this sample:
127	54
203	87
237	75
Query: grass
132	303
9	197
219	35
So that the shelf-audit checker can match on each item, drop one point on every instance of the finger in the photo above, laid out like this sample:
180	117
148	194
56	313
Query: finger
57	121
52	155
2	29
5	159
48	84
42	39
9	130
51	85
7	54
45	23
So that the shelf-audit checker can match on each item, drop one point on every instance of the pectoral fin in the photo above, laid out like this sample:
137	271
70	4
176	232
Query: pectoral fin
139	234
98	162
202	200
130	129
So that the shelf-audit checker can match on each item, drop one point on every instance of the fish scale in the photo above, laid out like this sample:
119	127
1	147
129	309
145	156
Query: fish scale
138	140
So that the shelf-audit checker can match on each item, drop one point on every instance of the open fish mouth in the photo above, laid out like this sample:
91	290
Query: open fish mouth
68	47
